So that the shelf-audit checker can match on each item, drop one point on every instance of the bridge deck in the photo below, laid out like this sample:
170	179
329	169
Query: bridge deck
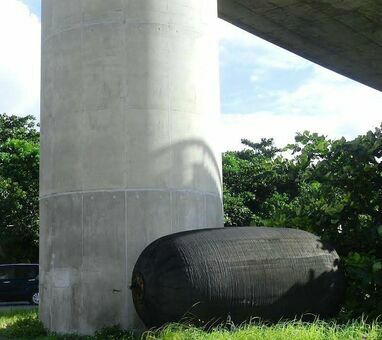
342	35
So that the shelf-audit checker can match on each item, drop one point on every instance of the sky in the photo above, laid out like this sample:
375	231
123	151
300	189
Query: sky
266	91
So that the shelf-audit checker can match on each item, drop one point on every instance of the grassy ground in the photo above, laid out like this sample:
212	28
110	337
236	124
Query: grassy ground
25	325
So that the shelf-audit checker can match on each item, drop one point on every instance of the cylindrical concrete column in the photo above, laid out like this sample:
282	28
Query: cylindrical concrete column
128	147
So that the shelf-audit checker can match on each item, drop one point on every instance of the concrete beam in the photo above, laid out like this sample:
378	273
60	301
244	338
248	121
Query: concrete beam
130	100
342	35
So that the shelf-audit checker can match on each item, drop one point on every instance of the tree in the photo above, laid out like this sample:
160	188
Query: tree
19	187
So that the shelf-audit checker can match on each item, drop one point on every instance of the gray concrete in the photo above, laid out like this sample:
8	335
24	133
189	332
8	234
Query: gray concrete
129	105
342	35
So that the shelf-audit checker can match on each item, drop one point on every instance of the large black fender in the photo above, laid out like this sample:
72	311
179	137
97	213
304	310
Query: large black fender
241	273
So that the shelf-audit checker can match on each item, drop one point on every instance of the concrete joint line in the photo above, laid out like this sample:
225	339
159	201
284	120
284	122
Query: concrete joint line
78	26
197	192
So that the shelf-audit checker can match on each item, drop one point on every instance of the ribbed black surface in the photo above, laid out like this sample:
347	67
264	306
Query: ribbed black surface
211	274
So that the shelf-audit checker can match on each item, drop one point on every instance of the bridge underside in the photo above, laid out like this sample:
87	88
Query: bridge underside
342	35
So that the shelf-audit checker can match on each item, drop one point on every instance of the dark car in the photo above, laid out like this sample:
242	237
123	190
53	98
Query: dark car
19	282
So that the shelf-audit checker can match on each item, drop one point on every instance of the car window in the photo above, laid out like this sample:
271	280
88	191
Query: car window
7	273
26	272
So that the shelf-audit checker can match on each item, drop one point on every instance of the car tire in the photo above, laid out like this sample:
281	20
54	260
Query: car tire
35	299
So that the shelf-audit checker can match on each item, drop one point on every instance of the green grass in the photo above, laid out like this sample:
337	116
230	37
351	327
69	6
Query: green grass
288	330
25	325
19	324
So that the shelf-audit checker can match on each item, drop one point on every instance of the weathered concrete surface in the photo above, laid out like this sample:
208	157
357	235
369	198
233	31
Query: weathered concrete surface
342	35
130	102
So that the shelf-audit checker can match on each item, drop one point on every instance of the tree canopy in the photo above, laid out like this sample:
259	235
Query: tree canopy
19	173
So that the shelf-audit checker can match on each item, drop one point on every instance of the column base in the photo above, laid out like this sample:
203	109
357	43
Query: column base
89	244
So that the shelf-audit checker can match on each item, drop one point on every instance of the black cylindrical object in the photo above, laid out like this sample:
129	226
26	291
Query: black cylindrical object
210	275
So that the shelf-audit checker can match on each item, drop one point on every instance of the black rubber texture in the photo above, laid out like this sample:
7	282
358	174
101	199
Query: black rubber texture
206	276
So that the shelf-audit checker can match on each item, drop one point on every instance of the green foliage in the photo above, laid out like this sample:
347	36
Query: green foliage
19	173
25	328
236	213
332	188
20	324
24	324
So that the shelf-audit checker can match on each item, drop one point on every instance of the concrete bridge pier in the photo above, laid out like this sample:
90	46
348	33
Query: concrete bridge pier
129	111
